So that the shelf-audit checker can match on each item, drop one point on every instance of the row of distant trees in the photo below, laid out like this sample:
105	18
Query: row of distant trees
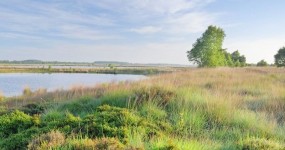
279	59
207	51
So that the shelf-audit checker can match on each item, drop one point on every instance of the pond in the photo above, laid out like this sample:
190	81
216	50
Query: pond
12	84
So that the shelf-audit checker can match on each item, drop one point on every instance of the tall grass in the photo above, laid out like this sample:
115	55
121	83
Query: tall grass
221	108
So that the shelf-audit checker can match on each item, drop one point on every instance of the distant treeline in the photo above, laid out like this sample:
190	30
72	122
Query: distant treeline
38	62
95	63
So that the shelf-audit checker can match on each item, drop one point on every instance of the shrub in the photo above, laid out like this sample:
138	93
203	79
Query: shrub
65	122
14	122
262	63
19	141
33	109
71	123
49	140
53	119
110	122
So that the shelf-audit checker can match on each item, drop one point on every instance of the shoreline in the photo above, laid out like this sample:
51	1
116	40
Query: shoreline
95	70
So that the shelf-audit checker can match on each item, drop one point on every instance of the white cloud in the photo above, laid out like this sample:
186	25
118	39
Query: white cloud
189	23
172	16
146	30
170	21
150	6
41	20
257	49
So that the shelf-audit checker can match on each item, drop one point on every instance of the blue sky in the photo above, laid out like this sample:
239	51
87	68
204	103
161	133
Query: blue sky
142	31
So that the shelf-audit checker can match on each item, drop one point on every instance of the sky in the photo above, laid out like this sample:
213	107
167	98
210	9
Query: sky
136	31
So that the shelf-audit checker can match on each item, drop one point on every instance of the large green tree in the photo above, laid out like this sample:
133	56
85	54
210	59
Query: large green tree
207	51
280	58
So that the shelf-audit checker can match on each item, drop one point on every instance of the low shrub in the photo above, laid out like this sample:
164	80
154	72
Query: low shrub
19	141
65	122
53	119
33	109
14	122
110	122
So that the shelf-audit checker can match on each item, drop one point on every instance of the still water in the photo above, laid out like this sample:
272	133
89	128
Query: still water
12	84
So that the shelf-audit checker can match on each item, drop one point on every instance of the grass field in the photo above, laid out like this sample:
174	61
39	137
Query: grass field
219	108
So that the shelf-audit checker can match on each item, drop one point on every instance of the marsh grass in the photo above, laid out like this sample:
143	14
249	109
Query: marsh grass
221	108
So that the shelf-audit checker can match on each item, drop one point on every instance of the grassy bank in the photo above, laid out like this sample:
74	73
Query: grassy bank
222	108
99	70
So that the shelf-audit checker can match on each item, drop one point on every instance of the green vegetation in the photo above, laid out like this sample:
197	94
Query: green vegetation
207	51
262	63
280	58
221	108
109	70
238	60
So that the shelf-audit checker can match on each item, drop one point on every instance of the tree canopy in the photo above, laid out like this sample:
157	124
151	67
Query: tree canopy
239	60
280	58
207	51
262	63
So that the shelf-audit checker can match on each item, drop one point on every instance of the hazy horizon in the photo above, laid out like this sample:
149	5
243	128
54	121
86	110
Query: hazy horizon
136	31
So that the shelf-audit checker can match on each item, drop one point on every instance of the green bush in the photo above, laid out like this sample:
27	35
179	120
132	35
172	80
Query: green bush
33	109
110	122
65	122
53	119
19	141
14	122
